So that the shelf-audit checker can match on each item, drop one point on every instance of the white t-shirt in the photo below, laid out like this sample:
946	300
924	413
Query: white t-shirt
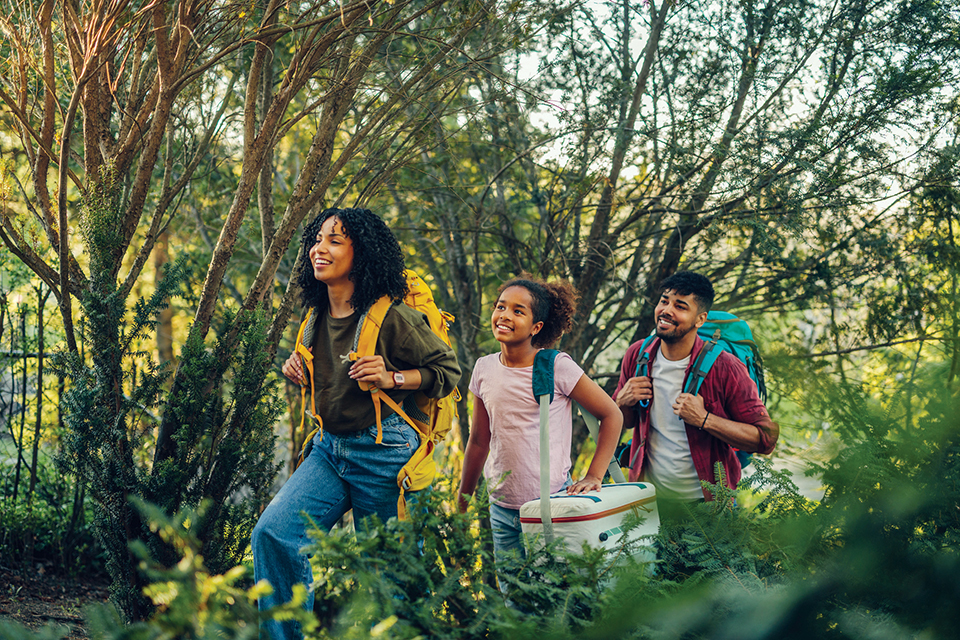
507	394
670	464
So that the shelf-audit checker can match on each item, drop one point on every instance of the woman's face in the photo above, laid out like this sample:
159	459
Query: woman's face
512	317
332	253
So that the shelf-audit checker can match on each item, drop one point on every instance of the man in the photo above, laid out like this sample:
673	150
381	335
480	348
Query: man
678	438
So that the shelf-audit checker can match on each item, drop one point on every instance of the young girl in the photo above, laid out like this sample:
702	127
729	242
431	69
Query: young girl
350	260
529	315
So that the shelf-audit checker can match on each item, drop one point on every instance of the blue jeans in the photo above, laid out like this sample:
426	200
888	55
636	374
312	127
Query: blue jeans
343	472
507	533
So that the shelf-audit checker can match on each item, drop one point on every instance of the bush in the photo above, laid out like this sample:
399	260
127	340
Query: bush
876	560
191	604
53	528
432	576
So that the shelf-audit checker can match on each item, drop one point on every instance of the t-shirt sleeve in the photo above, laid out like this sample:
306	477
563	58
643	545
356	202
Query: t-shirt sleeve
477	377
566	374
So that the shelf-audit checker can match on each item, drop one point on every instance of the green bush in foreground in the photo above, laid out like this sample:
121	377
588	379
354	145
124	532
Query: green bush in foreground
191	604
876	559
432	577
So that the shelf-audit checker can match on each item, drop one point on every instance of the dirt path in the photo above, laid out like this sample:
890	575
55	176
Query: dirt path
41	599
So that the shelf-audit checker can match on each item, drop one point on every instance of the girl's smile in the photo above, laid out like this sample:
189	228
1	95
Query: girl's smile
512	317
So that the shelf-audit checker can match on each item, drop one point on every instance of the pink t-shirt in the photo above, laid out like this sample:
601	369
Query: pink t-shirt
507	394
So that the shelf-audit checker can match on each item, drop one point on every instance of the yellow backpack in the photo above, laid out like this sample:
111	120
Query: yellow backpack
431	417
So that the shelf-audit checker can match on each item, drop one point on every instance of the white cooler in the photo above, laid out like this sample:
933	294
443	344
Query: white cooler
596	518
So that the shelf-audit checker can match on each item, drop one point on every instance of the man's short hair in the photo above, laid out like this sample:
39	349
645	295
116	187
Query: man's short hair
686	282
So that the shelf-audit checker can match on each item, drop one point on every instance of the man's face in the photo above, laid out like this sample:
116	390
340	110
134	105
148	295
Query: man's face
676	316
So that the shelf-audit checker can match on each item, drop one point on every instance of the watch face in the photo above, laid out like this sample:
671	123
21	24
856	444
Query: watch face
397	378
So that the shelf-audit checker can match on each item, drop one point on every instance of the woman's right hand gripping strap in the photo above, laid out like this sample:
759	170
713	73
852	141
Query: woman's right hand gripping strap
306	361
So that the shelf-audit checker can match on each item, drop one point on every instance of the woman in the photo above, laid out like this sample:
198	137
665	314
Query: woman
350	260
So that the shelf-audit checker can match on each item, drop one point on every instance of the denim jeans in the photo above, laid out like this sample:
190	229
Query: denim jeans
343	472
507	533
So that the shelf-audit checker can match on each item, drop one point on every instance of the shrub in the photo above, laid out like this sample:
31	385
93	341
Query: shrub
53	528
431	577
191	604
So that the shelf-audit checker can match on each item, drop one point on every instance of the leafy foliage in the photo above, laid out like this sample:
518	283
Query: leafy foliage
430	577
14	631
192	602
224	446
55	526
417	577
873	560
227	408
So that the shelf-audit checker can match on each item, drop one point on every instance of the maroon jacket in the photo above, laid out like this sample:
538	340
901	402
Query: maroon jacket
727	391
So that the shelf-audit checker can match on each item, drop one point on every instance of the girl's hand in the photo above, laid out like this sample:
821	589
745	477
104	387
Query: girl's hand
463	501
589	483
371	369
293	369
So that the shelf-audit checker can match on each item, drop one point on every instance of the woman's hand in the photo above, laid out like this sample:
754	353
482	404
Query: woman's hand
293	369
372	370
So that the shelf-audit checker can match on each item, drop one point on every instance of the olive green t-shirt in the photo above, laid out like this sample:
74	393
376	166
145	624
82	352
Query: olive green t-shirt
405	342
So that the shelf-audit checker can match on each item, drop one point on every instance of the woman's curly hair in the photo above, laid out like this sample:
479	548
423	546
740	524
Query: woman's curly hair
377	260
554	304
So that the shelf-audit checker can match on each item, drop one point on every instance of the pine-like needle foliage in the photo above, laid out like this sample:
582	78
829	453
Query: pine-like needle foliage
224	419
429	577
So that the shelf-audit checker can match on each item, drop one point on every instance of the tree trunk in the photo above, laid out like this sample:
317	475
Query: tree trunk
23	403
41	303
161	257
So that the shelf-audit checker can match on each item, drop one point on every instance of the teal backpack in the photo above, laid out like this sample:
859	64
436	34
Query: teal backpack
721	332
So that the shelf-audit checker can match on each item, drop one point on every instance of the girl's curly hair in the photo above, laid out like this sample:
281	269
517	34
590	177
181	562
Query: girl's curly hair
377	260
554	304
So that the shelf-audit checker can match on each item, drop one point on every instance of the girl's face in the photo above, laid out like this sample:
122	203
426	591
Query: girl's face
332	253
513	317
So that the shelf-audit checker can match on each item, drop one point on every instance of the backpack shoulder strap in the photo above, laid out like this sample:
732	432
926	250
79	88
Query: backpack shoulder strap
302	347
365	344
701	366
543	363
369	329
643	360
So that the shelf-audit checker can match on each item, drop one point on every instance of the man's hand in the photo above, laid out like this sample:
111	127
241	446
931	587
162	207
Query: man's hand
635	390
690	409
589	483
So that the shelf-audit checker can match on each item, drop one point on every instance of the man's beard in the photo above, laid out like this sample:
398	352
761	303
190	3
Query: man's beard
674	336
